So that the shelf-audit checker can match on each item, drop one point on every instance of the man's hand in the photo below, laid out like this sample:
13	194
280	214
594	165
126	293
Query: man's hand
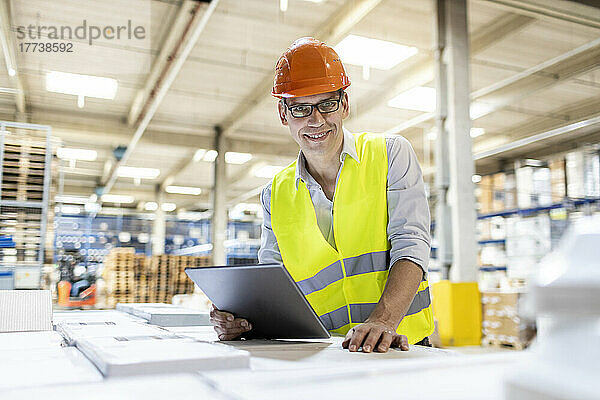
226	325
373	336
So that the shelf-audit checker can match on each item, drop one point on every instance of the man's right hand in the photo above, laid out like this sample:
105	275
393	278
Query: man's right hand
226	325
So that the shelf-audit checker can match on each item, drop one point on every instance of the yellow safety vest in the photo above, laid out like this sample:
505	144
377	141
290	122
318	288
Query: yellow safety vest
344	285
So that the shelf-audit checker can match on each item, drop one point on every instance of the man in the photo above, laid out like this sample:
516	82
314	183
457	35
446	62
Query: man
349	219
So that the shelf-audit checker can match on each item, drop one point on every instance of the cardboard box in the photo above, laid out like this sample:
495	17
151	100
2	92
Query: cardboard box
558	179
498	194
503	322
485	194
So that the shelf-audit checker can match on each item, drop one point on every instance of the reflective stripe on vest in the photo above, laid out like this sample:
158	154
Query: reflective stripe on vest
343	284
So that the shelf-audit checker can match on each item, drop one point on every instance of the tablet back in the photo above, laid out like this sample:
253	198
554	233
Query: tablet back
264	294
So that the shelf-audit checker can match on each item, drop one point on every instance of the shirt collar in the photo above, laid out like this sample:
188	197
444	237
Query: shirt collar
348	148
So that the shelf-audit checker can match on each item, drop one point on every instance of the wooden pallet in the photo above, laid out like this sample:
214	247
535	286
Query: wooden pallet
488	342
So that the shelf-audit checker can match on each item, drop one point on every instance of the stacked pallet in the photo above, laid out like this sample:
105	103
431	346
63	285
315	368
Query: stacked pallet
23	168
135	278
23	225
165	270
119	276
184	284
143	280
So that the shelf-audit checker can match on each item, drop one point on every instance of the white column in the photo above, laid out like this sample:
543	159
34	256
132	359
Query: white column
159	227
443	228
461	190
219	218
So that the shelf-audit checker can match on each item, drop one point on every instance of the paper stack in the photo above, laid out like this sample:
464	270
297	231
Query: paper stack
73	332
162	314
124	356
93	316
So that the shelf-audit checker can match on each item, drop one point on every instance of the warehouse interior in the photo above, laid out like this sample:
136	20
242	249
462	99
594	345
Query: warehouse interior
128	155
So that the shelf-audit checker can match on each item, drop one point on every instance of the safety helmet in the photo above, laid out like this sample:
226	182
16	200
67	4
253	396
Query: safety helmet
308	67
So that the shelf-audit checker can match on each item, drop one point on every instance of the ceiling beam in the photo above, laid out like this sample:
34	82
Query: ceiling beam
552	10
99	130
578	111
331	32
164	61
490	158
8	48
509	91
421	71
176	53
585	126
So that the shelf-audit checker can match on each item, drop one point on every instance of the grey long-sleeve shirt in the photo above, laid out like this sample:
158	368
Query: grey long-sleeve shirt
408	210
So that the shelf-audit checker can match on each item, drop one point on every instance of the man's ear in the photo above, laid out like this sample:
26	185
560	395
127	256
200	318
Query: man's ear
281	109
345	106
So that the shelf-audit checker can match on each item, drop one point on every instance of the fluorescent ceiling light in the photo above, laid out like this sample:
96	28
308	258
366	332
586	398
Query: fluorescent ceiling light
199	155
183	190
267	171
124	237
231	157
92	207
70	209
151	206
143	237
168	207
194	216
375	53
205	155
140	173
210	155
112	211
479	109
66	153
81	85
72	199
117	198
475	132
420	98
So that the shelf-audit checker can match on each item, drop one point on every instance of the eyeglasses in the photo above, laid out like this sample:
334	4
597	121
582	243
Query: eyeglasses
324	107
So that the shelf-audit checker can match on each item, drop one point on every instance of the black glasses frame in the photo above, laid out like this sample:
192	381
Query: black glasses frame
313	106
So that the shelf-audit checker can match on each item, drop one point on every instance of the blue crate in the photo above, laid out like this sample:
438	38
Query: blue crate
7	279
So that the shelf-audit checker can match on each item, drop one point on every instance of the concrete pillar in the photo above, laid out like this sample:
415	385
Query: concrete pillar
443	228
219	218
159	227
461	195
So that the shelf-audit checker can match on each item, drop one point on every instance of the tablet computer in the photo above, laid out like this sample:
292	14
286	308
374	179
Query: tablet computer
265	295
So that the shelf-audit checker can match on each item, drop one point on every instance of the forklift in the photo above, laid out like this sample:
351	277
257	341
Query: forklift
77	284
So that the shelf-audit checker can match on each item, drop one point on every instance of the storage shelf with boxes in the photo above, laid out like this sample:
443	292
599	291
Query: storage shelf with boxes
26	190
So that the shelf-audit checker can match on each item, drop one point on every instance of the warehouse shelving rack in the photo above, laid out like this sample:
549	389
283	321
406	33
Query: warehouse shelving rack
25	206
567	203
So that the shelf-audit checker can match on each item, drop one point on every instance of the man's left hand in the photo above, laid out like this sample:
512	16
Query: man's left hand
374	336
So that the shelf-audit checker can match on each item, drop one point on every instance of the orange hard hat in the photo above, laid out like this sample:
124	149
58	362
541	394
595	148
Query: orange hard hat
308	67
